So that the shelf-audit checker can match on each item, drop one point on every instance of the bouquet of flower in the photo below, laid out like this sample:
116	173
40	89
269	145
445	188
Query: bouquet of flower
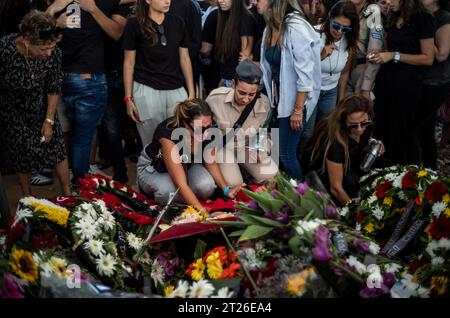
199	289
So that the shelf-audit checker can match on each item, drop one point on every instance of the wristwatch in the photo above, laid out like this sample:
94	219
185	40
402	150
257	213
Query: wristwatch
397	57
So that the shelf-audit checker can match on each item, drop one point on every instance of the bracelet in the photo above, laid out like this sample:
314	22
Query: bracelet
128	99
225	191
50	121
298	112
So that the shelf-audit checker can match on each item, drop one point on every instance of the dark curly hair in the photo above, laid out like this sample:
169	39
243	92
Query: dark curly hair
40	28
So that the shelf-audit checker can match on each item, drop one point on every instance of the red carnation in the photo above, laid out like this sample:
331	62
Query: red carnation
440	228
382	188
360	216
435	192
409	180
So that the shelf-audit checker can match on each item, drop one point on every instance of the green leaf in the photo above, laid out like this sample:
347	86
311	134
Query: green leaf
294	244
229	223
236	233
254	231
200	249
265	200
257	220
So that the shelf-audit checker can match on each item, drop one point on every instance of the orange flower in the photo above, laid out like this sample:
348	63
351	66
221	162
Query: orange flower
222	254
230	271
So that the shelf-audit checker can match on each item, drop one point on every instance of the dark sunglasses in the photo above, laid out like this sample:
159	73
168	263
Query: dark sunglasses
363	125
340	27
162	35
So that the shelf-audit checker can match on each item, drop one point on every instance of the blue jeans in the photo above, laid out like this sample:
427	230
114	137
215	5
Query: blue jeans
85	101
110	130
288	142
325	105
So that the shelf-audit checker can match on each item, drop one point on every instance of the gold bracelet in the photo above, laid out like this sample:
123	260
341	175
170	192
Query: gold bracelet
298	112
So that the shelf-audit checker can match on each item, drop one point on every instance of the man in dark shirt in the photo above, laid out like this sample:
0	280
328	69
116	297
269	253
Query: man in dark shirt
84	85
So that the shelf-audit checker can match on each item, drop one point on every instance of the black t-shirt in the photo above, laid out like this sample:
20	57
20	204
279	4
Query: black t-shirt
157	66
11	16
407	39
83	48
247	27
113	49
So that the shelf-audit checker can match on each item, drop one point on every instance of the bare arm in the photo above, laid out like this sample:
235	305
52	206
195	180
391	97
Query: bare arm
246	47
128	73
344	78
177	173
57	6
47	129
335	177
186	68
426	56
442	43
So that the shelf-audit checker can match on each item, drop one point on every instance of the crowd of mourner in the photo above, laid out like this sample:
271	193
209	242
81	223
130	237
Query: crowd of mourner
284	86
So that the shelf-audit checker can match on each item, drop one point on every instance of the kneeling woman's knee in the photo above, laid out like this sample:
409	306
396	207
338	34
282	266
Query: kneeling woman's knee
203	186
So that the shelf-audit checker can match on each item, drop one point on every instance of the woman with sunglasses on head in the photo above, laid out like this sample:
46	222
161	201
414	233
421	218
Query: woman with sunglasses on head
339	146
339	35
156	66
30	85
399	83
162	167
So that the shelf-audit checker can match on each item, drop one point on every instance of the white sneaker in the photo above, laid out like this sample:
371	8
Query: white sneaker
94	169
38	179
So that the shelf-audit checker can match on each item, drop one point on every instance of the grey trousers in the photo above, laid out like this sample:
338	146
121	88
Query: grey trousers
4	205
161	185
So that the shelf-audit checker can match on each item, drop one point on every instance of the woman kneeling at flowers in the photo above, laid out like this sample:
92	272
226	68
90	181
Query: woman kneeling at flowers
339	146
161	173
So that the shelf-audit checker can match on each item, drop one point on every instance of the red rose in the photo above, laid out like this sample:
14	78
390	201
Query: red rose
440	228
409	180
360	217
435	192
382	188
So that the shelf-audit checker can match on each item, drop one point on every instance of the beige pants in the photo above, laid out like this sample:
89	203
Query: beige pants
262	171
154	106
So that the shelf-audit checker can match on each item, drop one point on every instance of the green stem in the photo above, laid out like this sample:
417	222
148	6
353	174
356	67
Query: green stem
247	273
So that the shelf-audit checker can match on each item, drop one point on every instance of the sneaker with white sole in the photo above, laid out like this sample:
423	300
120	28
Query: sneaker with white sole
38	179
94	169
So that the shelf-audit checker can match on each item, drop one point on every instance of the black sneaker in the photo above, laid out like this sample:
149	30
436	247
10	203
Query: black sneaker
38	179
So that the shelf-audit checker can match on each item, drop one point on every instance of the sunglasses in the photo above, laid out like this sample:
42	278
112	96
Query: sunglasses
340	27
363	125
162	35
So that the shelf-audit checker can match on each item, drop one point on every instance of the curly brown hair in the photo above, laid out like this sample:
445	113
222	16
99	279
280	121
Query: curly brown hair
40	28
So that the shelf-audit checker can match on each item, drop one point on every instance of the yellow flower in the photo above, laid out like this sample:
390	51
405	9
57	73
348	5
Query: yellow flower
296	284
422	173
369	228
446	198
198	270
190	210
169	290
447	212
387	201
439	284
59	266
214	265
22	263
53	213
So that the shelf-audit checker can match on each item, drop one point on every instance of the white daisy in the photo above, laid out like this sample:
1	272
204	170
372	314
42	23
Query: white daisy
157	273
401	195
134	241
344	211
105	265
95	247
357	265
108	222
145	259
223	293
444	243
181	290
308	226
22	214
378	213
46	269
438	208
391	268
436	261
201	289
431	247
397	183
371	199
374	248
85	229
101	204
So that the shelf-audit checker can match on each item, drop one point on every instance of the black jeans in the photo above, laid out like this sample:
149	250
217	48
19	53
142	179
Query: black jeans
110	130
432	99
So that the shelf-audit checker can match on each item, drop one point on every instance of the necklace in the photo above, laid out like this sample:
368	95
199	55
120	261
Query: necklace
337	60
32	69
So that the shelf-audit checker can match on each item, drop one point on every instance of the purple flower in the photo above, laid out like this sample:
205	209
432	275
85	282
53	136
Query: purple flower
321	253
389	279
252	205
362	247
282	217
374	292
168	261
357	200
273	193
269	214
321	235
10	288
330	212
301	188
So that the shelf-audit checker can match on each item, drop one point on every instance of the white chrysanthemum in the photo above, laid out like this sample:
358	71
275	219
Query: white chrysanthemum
378	213
390	176
95	247
201	289
181	290
223	293
293	182
371	199
106	265
88	211
145	258
436	261
46	269
374	248
108	220
308	226
101	204
22	214
431	247
157	273
444	243
357	265
358	227
134	241
392	268
438	208
343	211
397	183
250	260
85	229
401	195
